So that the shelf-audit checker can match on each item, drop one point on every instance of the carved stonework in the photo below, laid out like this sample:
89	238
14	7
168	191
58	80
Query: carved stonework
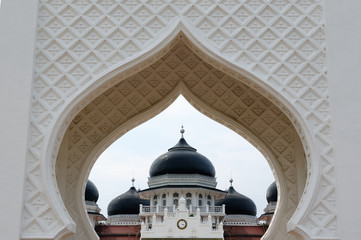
246	63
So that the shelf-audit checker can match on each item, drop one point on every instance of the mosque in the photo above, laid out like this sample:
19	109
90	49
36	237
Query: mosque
182	202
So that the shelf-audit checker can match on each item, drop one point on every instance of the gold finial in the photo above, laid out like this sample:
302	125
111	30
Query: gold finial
231	181
133	180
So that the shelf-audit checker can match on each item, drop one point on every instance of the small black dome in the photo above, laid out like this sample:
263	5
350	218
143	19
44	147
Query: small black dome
182	159
126	203
91	192
272	193
237	204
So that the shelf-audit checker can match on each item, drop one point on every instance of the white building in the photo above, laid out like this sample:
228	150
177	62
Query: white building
182	200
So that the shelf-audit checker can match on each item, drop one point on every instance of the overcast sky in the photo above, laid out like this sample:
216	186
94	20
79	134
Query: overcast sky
132	155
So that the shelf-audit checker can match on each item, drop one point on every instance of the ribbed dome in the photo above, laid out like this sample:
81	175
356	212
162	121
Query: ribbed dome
182	159
126	203
91	192
237	203
272	193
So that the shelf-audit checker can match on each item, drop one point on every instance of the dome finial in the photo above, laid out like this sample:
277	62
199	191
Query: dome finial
133	180
231	181
182	130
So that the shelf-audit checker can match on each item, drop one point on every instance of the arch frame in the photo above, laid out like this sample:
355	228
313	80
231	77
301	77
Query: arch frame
311	151
170	41
180	89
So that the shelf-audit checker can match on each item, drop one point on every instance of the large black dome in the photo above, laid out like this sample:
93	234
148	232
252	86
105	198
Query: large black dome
91	192
237	204
182	159
126	203
272	193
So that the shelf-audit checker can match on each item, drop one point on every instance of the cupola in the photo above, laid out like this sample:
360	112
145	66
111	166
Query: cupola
126	203
91	192
237	204
271	194
182	159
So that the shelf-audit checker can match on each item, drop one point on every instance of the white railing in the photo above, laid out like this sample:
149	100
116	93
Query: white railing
208	209
192	209
170	208
156	209
239	223
147	209
125	223
171	215
216	209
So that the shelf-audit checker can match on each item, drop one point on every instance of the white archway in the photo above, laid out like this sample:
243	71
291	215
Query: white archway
150	111
52	113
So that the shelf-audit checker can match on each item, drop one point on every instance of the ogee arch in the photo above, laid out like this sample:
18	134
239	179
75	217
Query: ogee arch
221	97
82	45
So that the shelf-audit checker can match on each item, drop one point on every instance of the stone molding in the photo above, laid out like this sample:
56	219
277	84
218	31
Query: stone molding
274	47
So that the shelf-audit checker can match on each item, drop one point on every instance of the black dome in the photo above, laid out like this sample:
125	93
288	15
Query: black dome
91	192
126	203
182	159
237	204
272	193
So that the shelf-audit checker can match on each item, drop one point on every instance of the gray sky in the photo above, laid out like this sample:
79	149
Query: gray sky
133	153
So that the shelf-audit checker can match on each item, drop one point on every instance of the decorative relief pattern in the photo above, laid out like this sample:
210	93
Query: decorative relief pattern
280	41
213	87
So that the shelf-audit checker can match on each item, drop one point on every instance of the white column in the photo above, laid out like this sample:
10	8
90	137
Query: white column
165	213
343	37
17	41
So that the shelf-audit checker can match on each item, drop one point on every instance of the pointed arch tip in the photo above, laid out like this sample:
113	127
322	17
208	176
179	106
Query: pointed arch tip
181	31
162	47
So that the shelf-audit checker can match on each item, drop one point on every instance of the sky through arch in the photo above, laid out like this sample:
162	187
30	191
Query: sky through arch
133	153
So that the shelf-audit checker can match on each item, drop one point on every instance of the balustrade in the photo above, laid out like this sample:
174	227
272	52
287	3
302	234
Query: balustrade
192	209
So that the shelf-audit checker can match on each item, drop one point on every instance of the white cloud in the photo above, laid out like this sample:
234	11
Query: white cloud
134	152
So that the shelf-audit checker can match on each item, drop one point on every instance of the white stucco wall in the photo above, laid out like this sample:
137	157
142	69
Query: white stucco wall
17	36
343	36
344	70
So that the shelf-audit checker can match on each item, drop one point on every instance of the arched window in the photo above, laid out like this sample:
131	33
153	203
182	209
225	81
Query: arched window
188	199
209	200
200	200
175	198
155	202
164	199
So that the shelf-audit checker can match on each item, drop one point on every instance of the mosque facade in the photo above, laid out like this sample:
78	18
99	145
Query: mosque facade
182	202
